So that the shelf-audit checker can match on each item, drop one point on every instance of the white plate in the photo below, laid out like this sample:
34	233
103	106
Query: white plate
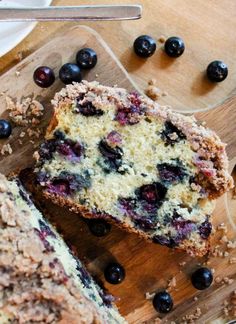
12	33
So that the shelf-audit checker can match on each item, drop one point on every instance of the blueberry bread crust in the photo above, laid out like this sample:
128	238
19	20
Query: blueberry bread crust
41	281
117	155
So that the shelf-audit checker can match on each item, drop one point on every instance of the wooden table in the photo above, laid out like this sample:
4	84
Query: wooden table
208	29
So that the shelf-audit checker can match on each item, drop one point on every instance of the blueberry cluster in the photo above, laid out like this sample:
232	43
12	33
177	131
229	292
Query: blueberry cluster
145	46
86	59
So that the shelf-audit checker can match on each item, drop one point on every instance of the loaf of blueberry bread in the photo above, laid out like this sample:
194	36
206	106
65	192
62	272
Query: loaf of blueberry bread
119	156
41	281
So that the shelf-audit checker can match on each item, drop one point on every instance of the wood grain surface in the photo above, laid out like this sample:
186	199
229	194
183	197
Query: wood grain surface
149	267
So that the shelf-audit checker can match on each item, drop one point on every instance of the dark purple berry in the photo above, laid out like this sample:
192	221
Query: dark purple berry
144	223
5	128
202	278
217	71
174	46
114	273
171	134
162	240
47	149
183	227
162	302
108	151
69	73
44	76
59	135
86	58
45	229
99	227
152	193
83	275
60	186
87	109
170	173
144	46
205	229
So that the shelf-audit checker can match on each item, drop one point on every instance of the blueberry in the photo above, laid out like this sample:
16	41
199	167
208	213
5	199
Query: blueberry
205	229
87	109
108	151
202	278
162	302
114	273
171	134
144	46
44	76
162	240
217	71
5	128
174	46
152	193
99	227
86	58
170	173
69	73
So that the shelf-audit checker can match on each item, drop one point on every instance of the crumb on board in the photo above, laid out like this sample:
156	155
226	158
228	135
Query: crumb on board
19	56
224	280
153	92
149	295
232	260
6	149
24	112
230	305
222	227
182	264
231	244
194	316
195	298
162	39
171	283
17	73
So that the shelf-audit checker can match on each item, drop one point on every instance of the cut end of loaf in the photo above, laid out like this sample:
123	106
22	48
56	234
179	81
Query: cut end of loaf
113	154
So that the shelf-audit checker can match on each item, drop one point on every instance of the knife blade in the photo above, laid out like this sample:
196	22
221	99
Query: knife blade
95	12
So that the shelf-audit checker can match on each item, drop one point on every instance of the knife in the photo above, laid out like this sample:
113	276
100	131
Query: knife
96	12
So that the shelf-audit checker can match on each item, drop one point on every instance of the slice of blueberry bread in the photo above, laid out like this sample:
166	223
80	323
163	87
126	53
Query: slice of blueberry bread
41	281
120	156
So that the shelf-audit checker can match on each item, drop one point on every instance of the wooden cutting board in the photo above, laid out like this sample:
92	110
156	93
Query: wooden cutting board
149	267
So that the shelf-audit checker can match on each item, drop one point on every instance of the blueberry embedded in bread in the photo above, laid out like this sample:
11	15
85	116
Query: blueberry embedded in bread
151	170
42	281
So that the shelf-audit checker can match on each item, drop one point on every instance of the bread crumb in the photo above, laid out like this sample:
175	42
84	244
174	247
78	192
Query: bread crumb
6	149
171	283
224	239
232	260
19	56
149	295
24	112
195	298
196	315
231	244
162	39
17	73
222	227
218	280
152	82
182	264
22	134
